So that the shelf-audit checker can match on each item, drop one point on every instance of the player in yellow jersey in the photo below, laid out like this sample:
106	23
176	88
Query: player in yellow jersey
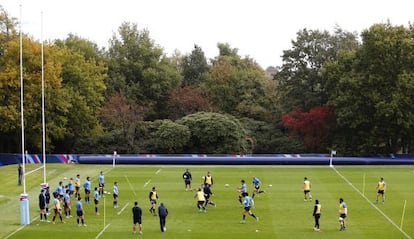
317	214
343	212
77	186
381	186
201	200
208	179
153	197
57	208
307	189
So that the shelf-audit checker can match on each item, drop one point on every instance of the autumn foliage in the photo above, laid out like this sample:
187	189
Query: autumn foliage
314	127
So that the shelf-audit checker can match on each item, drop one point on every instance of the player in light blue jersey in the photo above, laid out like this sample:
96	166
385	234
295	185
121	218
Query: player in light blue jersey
96	200
87	187
256	183
80	212
248	203
115	194
67	204
243	191
101	181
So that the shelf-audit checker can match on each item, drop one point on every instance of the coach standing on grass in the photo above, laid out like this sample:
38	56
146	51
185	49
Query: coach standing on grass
137	218
19	174
162	213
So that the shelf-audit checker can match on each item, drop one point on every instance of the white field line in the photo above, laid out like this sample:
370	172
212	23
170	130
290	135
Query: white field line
372	204
119	213
34	170
158	171
102	231
20	228
146	183
130	185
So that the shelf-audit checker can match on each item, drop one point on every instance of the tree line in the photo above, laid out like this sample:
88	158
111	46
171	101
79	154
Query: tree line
335	90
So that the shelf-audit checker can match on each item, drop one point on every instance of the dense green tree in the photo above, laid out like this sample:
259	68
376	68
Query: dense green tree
300	83
239	85
169	137
138	67
195	68
215	134
374	94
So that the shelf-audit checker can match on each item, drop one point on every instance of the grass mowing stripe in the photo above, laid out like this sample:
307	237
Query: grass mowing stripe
130	185
373	205
20	228
146	183
100	233
119	213
34	170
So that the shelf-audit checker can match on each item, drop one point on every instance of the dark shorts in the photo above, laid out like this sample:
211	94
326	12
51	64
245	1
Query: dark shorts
79	213
115	196
96	201
244	194
187	182
77	188
153	202
306	191
257	187
381	192
42	207
342	215
87	191
246	209
101	185
66	205
137	221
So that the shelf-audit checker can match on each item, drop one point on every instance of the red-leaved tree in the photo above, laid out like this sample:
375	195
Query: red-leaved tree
314	127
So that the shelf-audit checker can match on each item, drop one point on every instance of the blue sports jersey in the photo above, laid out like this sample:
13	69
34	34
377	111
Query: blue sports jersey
243	188
67	198
87	185
115	189
78	206
70	186
101	179
247	202
256	182
96	195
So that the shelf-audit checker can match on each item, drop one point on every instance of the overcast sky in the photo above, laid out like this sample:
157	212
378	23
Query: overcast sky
261	29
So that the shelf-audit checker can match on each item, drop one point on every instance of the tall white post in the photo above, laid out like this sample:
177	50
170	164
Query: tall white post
24	198
43	105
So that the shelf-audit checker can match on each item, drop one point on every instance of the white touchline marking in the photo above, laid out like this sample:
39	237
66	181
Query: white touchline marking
119	213
34	170
146	183
130	185
158	171
20	228
373	205
102	231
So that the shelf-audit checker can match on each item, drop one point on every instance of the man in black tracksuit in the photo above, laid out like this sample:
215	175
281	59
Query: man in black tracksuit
162	213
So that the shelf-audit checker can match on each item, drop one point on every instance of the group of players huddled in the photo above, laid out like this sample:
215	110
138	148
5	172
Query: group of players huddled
64	194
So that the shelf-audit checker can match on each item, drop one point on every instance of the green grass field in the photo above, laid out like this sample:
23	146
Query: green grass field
282	210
